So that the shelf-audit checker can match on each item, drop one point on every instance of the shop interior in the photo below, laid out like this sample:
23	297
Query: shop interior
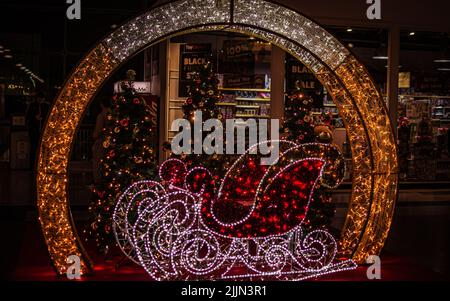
255	78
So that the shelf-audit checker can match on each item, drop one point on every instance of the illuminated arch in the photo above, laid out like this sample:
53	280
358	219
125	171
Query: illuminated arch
360	105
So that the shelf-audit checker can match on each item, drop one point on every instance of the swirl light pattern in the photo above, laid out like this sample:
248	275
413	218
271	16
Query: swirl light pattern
360	106
176	235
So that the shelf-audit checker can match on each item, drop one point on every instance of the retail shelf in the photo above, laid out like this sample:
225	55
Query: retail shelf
320	113
251	116
245	89
226	103
423	96
247	106
253	99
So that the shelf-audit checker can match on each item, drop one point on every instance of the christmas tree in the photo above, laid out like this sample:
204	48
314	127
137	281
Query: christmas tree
203	96
300	127
129	157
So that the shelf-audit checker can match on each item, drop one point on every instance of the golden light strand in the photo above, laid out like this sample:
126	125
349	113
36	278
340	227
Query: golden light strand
359	103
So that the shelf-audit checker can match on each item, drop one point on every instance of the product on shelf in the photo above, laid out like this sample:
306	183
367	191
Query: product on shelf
245	103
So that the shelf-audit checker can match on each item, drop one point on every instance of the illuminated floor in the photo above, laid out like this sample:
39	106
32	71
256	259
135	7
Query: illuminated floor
33	264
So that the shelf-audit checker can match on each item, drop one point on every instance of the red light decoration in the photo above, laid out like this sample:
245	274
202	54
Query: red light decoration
248	225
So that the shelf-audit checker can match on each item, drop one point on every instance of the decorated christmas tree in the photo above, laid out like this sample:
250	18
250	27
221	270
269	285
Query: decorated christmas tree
298	125
129	157
203	96
301	127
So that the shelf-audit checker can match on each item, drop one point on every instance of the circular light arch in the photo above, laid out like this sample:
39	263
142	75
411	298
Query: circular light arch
360	105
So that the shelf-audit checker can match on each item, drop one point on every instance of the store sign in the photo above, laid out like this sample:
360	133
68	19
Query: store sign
235	49
299	74
243	63
192	58
16	90
404	80
426	83
152	103
255	81
241	56
140	87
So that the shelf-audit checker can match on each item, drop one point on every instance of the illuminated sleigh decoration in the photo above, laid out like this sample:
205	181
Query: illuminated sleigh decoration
251	228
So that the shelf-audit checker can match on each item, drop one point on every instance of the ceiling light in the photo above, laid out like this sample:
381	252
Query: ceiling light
19	65
23	68
412	33
8	56
442	61
380	57
350	45
443	69
349	30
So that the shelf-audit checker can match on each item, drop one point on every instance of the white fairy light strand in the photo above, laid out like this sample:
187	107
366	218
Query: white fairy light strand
171	241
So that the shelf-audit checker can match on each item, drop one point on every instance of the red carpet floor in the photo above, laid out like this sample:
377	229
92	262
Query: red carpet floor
33	264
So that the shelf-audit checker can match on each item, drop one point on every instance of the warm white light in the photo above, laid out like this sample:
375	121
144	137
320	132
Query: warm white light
373	147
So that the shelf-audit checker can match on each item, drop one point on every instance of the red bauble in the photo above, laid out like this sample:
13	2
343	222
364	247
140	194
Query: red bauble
124	122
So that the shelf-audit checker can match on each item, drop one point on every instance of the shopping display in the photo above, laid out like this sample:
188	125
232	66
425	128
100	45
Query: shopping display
224	149
348	84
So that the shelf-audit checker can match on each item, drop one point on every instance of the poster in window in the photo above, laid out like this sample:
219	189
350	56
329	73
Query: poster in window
297	72
192	58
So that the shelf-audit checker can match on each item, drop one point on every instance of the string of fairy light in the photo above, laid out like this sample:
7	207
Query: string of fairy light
175	236
360	106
